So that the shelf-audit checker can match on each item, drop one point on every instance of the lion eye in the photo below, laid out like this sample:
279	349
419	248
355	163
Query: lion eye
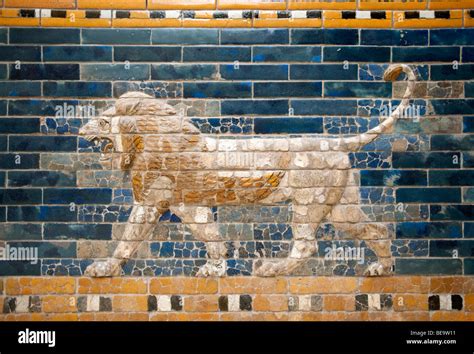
103	123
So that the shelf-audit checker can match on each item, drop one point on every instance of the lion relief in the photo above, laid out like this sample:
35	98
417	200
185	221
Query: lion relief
173	167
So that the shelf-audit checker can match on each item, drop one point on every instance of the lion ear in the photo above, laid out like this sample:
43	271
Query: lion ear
132	145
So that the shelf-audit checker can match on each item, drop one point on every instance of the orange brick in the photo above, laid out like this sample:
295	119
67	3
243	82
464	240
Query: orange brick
328	316
270	303
52	303
248	316
469	302
323	285
321	4
246	285
130	303
451	316
399	316
339	303
451	4
107	316
183	286
410	302
181	4
112	286
195	316
414	284
112	4
251	4
201	303
48	4
39	286
392	5
1	286
452	285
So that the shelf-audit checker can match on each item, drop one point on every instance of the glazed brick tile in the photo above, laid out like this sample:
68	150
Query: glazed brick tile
452	212
406	266
393	37
284	125
71	231
184	36
19	125
19	268
469	89
287	89
255	36
3	35
183	71
357	54
77	53
393	178
425	54
65	249
458	36
147	53
217	90
357	89
3	144
19	161
216	54
452	142
45	35
467	160
3	71
20	196
451	178
41	213
409	159
77	195
453	106
45	72
254	72
20	52
324	107
428	230
468	230
41	179
116	36
106	72
266	107
42	143
77	89
20	89
468	266
468	54
3	110
23	231
287	54
442	248
428	195
448	72
158	89
325	36
323	72
3	212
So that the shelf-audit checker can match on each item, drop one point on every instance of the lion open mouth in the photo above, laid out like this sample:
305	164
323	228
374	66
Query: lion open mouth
106	146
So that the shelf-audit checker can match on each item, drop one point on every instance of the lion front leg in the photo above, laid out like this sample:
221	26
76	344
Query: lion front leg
140	225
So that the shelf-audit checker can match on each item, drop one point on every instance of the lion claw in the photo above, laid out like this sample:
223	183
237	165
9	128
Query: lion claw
109	268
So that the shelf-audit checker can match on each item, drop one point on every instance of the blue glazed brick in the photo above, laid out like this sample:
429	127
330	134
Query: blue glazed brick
211	54
287	54
116	36
41	213
19	161
254	72
393	178
411	159
448	72
147	53
217	90
377	195
64	267
20	52
45	35
444	107
324	36
45	72
469	229
242	107
423	54
15	268
428	195
323	72
183	71
407	266
375	72
36	107
452	249
238	267
77	195
20	231
469	89
3	108
20	89
393	37
178	249
452	142
349	125
468	159
182	36
77	231
42	143
3	35
3	71
158	89
3	216
452	212
287	125
19	125
287	89
234	125
409	248
254	36
20	196
469	267
452	178
456	36
370	159
274	232
77	89
468	54
324	107
49	249
3	143
115	72
468	195
77	53
41	179
357	89
377	54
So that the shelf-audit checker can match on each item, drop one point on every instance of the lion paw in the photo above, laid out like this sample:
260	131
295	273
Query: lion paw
272	268
109	268
213	268
375	270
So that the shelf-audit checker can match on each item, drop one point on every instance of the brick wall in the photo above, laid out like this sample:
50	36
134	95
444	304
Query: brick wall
303	68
